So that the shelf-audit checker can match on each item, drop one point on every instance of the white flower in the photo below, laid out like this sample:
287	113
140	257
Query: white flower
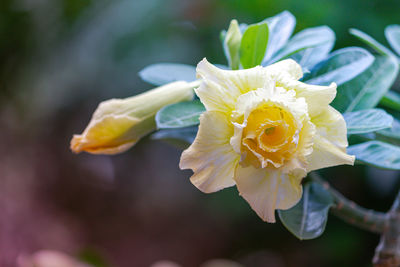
263	131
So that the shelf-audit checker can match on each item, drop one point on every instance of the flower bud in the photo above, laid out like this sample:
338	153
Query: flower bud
117	124
232	44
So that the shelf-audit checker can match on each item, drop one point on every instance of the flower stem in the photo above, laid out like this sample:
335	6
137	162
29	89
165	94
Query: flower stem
352	213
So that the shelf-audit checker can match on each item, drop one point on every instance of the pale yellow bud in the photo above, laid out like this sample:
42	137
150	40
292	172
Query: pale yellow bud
232	44
117	124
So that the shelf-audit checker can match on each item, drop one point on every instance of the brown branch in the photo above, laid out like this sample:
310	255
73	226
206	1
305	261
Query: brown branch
387	254
352	213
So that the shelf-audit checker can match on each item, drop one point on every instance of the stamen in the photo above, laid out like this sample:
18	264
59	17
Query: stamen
269	131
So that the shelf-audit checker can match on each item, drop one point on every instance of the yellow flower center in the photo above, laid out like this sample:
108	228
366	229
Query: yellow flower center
270	136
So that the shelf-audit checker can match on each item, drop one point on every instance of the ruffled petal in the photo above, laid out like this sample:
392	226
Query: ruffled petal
211	157
220	89
267	190
304	148
317	97
284	67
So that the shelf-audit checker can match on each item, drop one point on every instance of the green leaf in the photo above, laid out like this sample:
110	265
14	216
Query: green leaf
381	49
253	45
281	27
366	121
340	67
181	138
163	73
179	115
307	38
366	90
391	135
392	33
377	154
231	44
92	257
391	100
307	220
309	57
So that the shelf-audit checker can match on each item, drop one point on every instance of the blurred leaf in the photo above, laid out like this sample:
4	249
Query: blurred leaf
163	73
391	100
366	90
391	135
377	154
307	38
92	257
231	44
340	67
281	27
366	121
307	58
222	36
253	45
179	115
371	42
307	220
392	33
180	138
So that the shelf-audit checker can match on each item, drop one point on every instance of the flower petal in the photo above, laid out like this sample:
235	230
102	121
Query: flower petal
287	66
304	148
326	154
330	141
220	88
108	135
332	126
317	97
267	190
211	157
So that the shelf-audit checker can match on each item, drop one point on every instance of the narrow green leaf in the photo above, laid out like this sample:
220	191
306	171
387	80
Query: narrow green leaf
392	33
366	90
163	73
307	38
381	49
253	45
181	138
340	67
309	57
281	27
307	220
377	154
366	121
179	115
391	100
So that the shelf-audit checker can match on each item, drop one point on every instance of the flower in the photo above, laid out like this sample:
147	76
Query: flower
263	131
117	124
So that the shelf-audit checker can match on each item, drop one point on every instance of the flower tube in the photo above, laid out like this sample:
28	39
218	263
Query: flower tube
118	124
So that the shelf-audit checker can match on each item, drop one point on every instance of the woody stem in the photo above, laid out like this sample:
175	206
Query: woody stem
387	254
352	213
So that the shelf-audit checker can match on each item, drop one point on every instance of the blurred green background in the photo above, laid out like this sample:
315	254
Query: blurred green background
60	58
